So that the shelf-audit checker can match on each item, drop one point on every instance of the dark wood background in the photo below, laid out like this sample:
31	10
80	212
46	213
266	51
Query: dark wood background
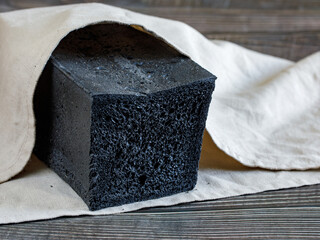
284	28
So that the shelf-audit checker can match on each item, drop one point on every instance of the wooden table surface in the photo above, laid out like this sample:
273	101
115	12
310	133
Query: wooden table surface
284	28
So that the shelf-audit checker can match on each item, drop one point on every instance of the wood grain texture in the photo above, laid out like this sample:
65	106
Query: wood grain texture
293	46
292	213
284	28
208	20
221	4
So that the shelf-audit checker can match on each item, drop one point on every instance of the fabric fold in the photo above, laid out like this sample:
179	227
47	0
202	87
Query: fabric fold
271	124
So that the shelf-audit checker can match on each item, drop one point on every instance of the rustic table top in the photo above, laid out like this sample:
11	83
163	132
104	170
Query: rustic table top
289	29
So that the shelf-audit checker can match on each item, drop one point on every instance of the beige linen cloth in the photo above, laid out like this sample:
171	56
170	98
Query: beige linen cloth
264	118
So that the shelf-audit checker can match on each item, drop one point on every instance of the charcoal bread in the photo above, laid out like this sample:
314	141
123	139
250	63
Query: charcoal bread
120	115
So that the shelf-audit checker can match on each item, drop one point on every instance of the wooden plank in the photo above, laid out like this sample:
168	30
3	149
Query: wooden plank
222	4
241	21
287	198
21	4
274	214
4	7
209	20
292	46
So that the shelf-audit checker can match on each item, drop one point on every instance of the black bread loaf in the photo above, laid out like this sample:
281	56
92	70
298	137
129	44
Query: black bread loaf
120	115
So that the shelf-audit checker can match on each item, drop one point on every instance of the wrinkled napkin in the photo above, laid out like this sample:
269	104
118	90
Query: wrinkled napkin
262	131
